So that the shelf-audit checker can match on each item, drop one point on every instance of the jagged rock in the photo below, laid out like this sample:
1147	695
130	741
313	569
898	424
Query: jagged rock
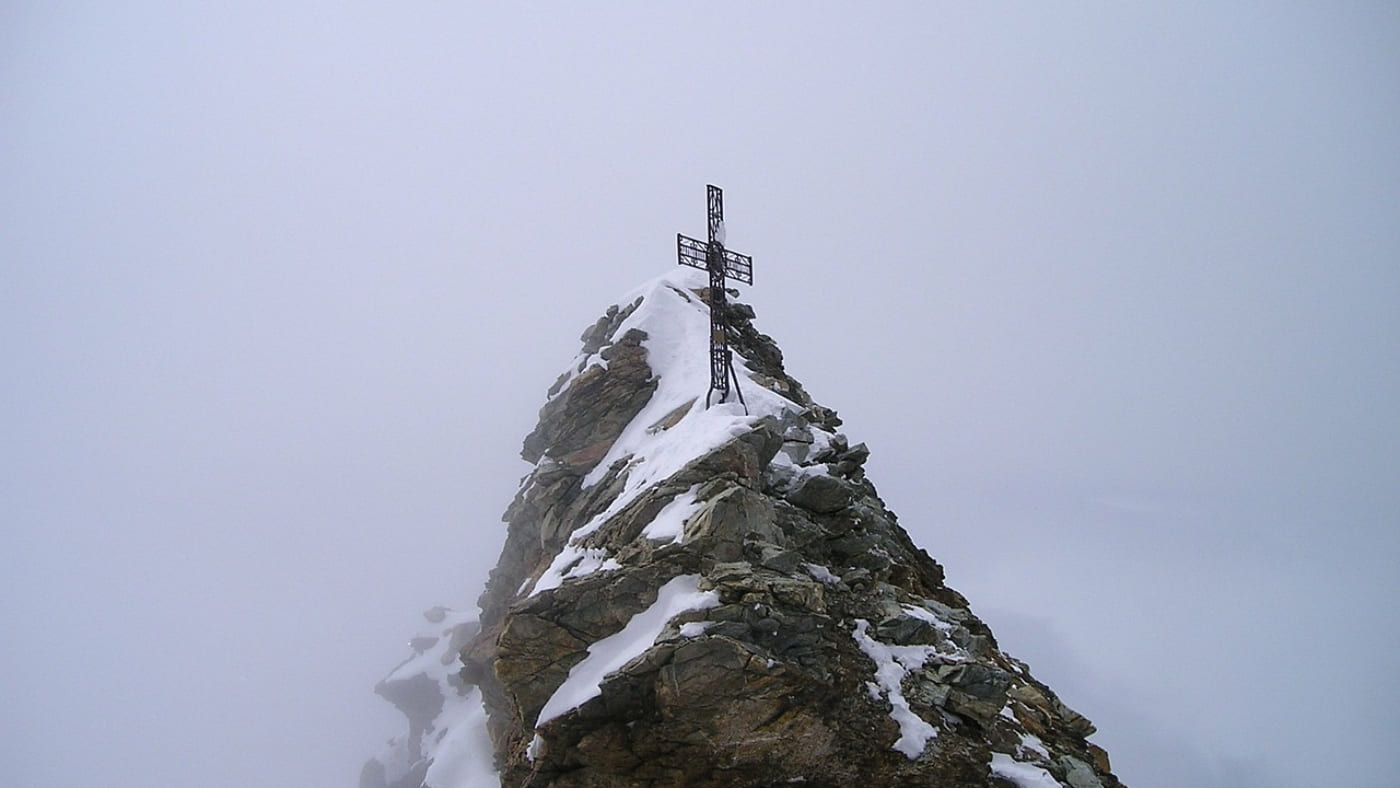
729	518
714	597
578	424
1079	774
820	493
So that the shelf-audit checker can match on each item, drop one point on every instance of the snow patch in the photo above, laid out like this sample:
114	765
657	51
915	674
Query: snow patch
438	658
585	680
821	442
694	629
822	575
461	755
1024	775
924	614
1032	743
536	746
574	561
669	523
456	743
892	664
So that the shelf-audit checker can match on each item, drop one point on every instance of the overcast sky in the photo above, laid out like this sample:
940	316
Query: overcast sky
1113	294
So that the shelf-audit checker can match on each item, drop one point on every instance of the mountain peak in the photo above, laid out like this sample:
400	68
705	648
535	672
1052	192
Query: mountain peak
714	596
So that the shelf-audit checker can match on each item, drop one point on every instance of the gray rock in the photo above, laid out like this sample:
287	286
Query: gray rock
580	423
767	682
728	519
1078	773
820	493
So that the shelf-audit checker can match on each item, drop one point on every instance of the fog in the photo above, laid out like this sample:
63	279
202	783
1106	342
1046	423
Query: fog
1111	293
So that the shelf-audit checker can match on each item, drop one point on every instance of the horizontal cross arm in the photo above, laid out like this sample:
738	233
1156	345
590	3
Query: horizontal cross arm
691	252
695	254
738	266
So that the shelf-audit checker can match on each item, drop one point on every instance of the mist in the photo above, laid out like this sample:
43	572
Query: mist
1111	293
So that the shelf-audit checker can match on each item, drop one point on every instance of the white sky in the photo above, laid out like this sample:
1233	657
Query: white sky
1110	292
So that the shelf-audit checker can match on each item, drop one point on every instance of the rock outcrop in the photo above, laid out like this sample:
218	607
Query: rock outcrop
714	597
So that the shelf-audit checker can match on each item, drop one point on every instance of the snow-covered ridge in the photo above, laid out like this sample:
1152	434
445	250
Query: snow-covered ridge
677	325
656	444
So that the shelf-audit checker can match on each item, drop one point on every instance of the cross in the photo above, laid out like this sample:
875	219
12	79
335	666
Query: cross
720	262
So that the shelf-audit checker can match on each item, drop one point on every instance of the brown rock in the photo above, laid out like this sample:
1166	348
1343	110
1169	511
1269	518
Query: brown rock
766	682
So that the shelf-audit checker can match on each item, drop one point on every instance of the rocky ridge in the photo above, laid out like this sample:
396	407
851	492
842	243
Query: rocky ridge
712	597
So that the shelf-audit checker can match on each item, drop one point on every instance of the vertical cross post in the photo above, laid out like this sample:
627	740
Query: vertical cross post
721	264
721	359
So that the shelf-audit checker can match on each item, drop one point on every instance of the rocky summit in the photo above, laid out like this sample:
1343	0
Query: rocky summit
693	596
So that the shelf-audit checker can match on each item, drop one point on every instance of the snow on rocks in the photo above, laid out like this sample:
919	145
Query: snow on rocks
1030	743
596	669
459	751
821	574
669	523
676	324
585	680
669	430
892	664
924	614
575	560
1022	775
447	745
694	629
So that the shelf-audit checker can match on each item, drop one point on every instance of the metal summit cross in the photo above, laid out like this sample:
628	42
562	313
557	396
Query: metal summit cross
721	263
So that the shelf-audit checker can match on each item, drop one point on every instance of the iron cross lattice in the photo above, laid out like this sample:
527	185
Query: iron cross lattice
721	263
